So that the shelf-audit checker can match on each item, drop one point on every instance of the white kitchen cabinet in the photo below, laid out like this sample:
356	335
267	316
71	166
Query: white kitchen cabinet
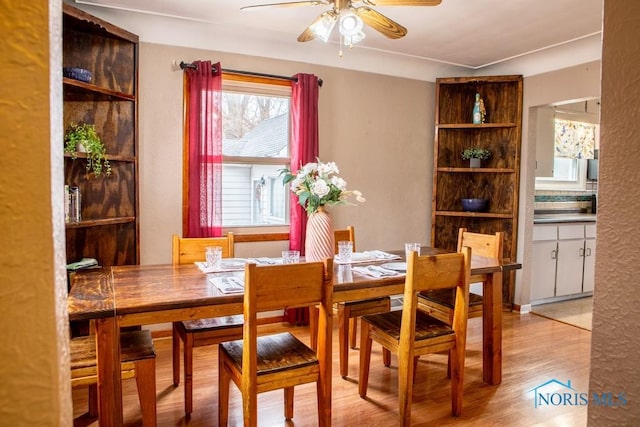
569	268
545	249
563	260
544	269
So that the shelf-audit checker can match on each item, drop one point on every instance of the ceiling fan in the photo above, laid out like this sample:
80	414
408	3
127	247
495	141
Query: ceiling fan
350	16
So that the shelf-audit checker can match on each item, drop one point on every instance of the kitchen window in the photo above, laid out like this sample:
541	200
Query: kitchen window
574	143
255	147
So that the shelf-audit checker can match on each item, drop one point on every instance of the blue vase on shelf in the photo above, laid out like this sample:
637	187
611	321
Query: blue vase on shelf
478	111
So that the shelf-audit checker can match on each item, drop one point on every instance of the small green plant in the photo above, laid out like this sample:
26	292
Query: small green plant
85	135
476	153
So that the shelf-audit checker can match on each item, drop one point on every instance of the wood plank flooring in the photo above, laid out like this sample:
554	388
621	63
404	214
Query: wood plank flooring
535	350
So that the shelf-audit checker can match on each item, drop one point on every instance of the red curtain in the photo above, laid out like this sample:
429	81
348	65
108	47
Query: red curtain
204	124
304	149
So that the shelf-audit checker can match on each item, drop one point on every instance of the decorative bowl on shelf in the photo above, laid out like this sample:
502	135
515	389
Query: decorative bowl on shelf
79	74
474	205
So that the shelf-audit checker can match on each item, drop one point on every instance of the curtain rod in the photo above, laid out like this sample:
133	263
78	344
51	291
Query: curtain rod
184	65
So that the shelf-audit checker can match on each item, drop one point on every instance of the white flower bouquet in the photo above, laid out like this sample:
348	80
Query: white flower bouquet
318	184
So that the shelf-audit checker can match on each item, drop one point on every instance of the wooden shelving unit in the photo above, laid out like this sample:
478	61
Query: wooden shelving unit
109	230
498	178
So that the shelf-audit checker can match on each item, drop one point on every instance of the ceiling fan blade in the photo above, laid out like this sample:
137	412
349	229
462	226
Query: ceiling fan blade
321	27
402	2
380	23
308	34
289	4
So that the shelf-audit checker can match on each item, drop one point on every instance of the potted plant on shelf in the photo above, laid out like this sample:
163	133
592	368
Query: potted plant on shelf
474	155
84	138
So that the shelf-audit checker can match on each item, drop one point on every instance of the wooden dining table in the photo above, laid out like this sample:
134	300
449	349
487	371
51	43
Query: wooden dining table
136	295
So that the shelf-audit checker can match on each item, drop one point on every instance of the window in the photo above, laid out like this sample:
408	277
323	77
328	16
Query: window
574	142
568	174
255	146
278	206
565	169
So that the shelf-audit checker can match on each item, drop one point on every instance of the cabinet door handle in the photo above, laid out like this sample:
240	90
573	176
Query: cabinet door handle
581	252
588	252
554	254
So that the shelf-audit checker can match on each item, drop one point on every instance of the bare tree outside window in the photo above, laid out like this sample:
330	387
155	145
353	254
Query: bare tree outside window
242	112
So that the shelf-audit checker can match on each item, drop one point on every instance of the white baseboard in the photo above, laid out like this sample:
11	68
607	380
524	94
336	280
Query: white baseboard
524	309
561	298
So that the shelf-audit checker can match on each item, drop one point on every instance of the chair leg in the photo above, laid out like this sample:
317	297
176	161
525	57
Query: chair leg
250	409
343	332
322	418
188	373
386	357
365	358
93	400
457	376
314	313
146	382
288	403
176	355
353	330
224	380
406	374
449	353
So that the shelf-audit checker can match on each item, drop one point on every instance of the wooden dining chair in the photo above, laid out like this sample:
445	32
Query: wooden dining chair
200	332
280	361
138	360
439	304
349	312
411	333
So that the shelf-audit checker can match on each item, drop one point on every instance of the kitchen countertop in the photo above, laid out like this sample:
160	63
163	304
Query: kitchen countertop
548	218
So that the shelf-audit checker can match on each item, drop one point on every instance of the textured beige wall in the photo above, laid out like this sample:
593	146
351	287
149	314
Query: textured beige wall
616	318
577	82
378	129
34	361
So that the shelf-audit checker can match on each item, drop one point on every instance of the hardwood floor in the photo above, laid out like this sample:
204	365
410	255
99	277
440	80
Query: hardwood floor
535	350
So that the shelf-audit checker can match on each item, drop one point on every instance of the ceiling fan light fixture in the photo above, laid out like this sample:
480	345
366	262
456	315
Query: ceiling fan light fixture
350	24
323	26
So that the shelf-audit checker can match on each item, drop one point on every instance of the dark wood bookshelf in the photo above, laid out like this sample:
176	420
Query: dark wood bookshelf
498	178
109	231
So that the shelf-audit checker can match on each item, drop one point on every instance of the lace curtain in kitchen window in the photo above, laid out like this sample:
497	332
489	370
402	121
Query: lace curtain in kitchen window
574	140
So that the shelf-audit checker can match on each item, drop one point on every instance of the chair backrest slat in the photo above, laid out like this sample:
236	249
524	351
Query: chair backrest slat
345	235
435	272
187	250
487	245
287	286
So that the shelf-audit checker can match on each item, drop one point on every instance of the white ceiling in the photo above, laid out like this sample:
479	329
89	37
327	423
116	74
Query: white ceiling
458	36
